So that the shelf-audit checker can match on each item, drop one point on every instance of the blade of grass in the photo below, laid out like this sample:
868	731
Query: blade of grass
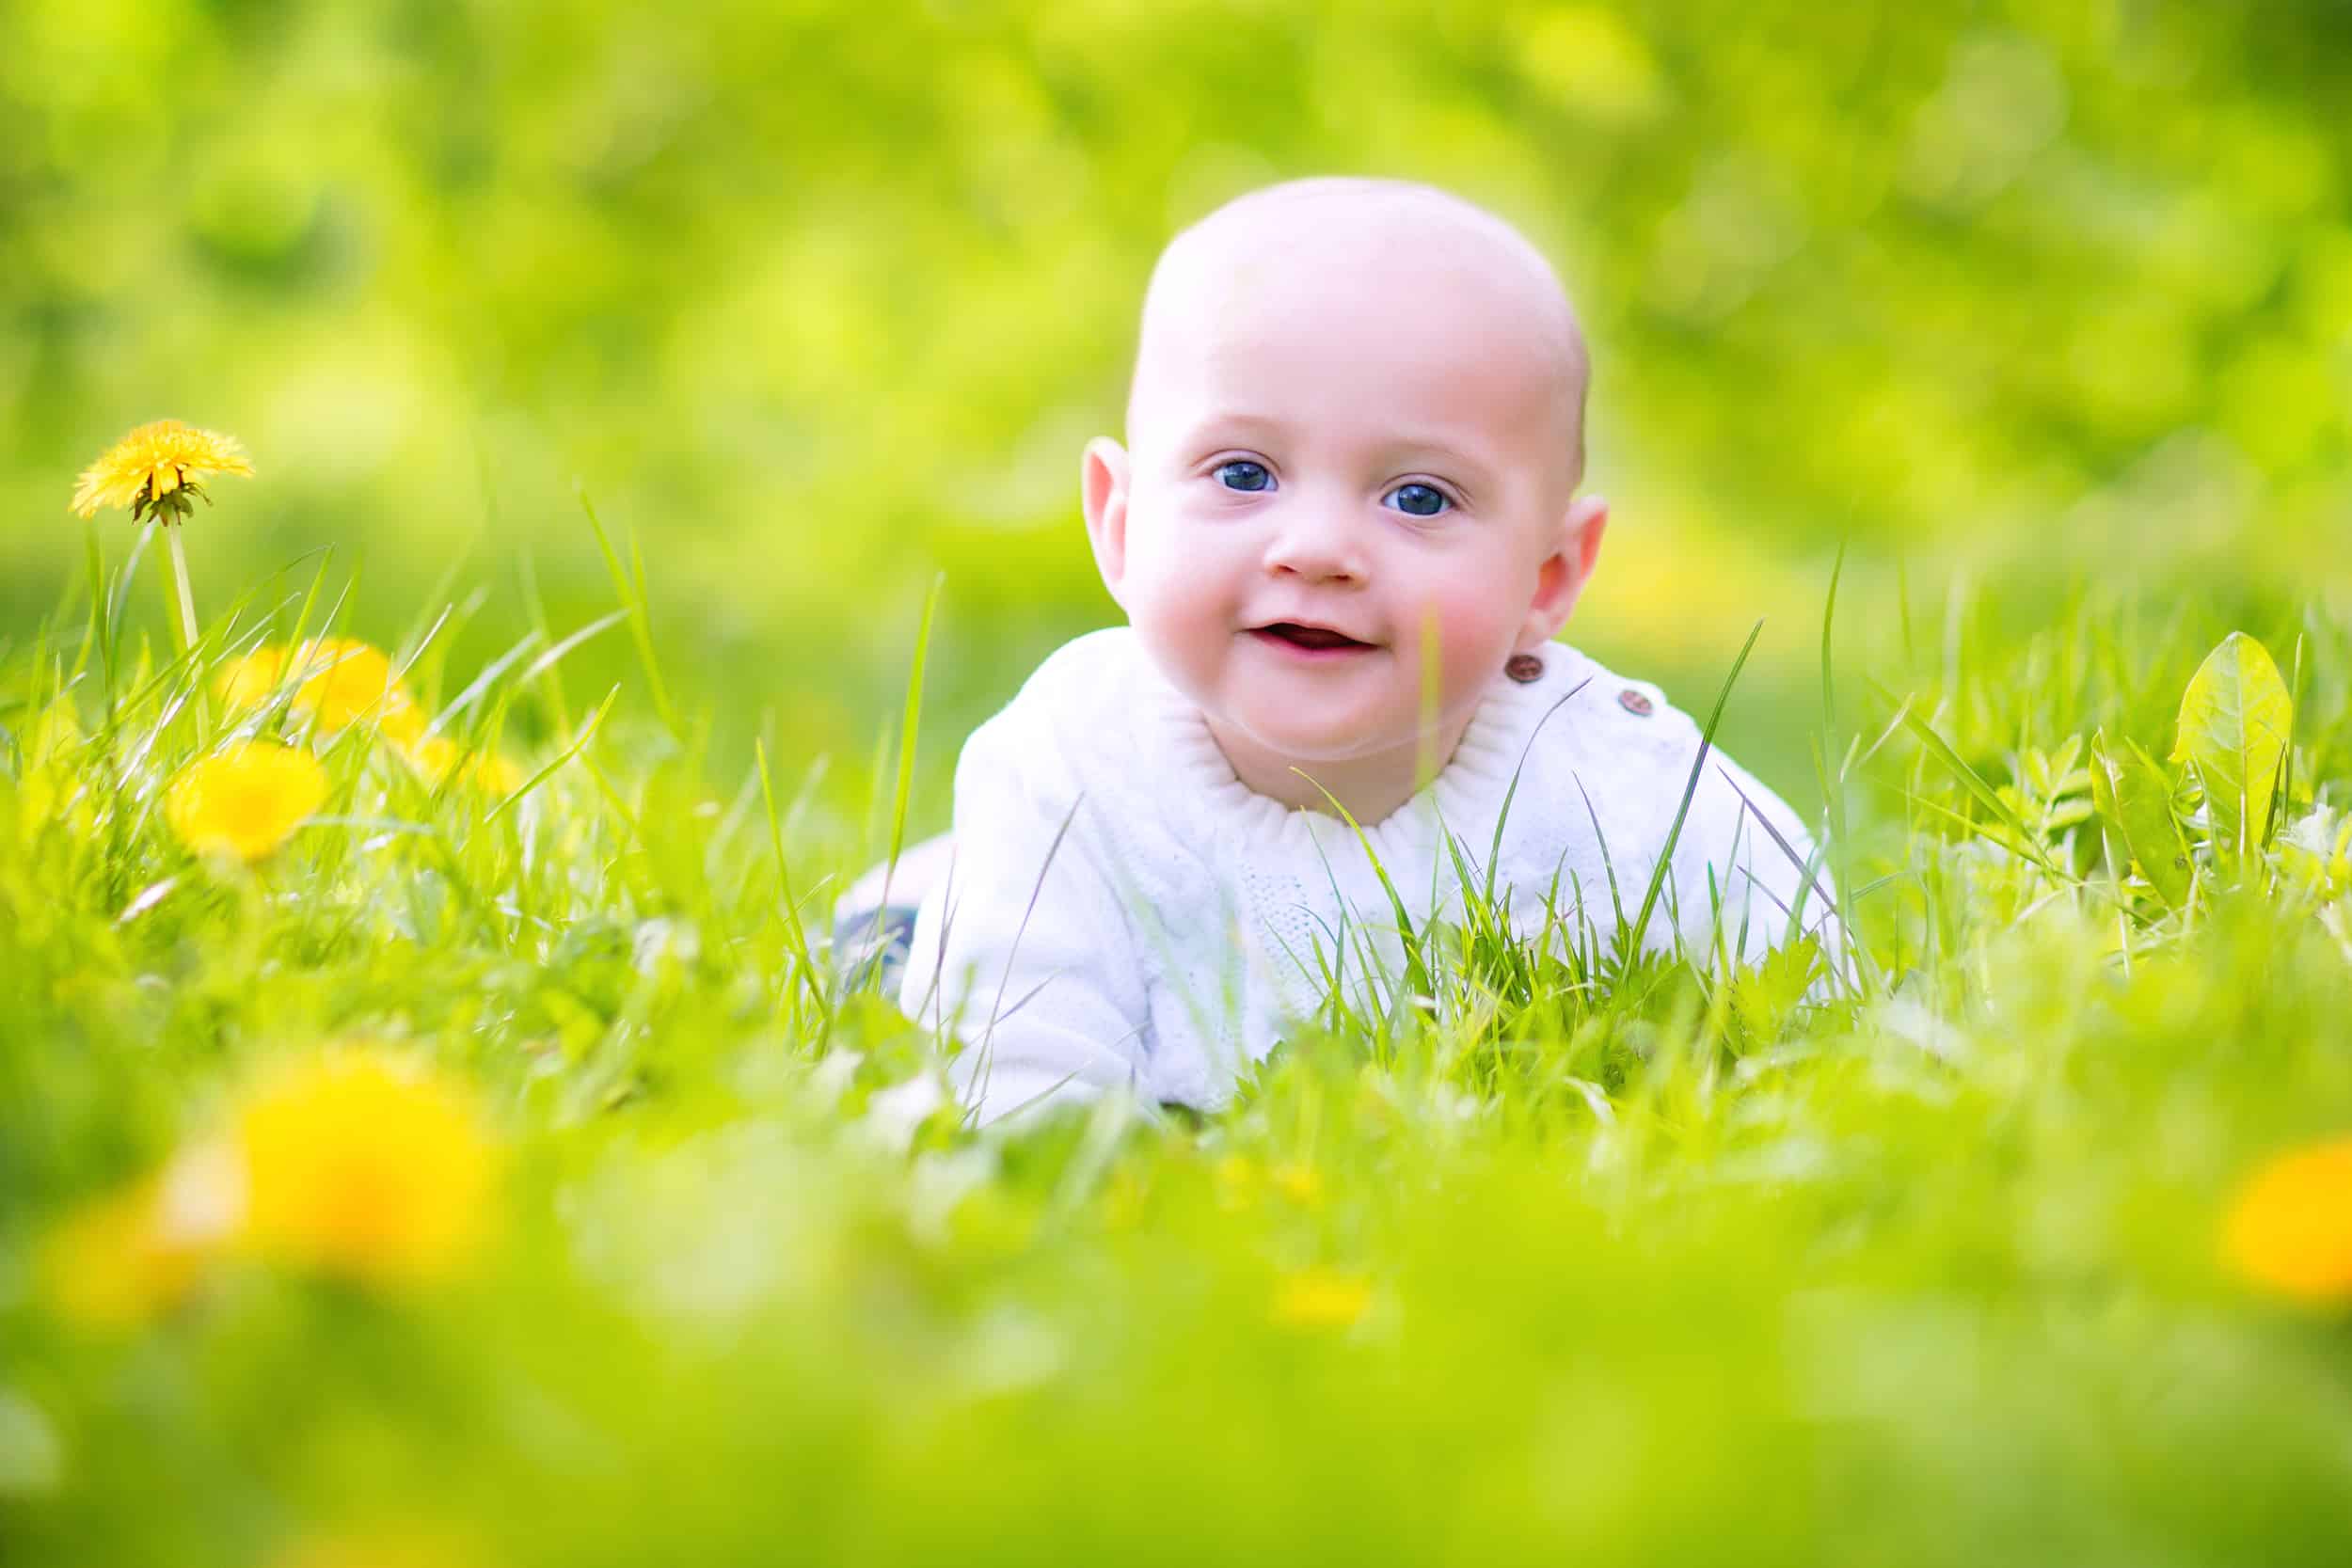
793	929
1664	866
98	635
528	571
587	733
554	655
482	683
1415	968
633	600
1503	814
908	726
1974	782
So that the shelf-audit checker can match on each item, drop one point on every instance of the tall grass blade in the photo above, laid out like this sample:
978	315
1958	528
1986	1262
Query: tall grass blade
1665	866
632	596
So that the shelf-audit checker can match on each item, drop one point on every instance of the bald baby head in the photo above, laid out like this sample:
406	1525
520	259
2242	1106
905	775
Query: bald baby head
1375	255
1349	494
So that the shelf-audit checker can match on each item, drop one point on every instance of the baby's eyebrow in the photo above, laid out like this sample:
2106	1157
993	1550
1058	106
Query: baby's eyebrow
1425	446
1212	432
1465	468
1204	434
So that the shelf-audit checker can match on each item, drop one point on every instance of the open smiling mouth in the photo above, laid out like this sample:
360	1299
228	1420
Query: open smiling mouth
1294	638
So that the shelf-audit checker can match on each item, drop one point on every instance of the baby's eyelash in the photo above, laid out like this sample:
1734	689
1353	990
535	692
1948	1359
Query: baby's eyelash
1449	500
1262	475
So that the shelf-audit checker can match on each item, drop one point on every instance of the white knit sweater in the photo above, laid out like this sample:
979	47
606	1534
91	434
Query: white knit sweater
1122	910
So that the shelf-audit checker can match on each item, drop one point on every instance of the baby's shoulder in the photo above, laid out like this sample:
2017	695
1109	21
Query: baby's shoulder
1592	716
1072	711
1620	742
1083	692
1603	749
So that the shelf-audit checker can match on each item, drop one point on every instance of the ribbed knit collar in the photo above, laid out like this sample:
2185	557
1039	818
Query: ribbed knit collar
1466	794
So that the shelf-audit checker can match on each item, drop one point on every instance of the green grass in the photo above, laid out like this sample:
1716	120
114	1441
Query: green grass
1655	1262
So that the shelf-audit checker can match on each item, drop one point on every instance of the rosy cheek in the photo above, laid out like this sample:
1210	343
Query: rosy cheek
1474	632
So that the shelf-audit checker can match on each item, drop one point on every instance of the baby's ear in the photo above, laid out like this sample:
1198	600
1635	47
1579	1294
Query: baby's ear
1103	476
1563	574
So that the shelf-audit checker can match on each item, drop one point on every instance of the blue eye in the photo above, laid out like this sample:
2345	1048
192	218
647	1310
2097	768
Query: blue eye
1420	501
1242	474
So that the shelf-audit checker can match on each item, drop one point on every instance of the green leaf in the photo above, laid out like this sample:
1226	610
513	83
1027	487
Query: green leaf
2135	802
1762	997
2015	835
2235	719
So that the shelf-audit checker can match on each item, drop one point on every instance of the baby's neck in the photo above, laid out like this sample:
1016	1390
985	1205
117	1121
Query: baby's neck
1368	786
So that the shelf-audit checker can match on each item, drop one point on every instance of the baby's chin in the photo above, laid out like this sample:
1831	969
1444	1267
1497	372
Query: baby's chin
1308	739
1310	718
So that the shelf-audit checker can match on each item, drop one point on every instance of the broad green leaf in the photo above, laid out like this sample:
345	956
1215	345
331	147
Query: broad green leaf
2135	802
2235	719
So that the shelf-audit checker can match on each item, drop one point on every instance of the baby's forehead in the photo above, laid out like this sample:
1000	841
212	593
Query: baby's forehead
1329	233
1396	285
1277	308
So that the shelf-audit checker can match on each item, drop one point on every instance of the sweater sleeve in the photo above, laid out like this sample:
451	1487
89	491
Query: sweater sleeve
1024	952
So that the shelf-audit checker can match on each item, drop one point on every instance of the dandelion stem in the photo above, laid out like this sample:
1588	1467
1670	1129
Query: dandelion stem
180	582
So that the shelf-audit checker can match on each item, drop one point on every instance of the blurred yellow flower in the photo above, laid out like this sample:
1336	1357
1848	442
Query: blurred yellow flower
344	681
157	468
1234	1178
246	682
1299	1182
360	1165
439	759
245	800
134	1254
1321	1298
2290	1227
110	1265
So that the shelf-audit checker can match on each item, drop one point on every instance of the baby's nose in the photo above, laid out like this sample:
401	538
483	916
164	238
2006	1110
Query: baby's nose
1316	541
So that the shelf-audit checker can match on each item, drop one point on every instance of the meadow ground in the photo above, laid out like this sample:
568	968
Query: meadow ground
420	1147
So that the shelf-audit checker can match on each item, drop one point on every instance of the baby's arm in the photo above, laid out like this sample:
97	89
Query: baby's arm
1023	952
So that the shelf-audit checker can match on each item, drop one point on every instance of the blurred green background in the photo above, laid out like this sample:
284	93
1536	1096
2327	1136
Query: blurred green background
821	301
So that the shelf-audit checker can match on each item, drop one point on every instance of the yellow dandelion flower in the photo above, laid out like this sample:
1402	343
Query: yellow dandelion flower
438	760
110	1266
156	468
358	1165
1301	1183
245	800
345	681
435	758
125	1259
493	774
1321	1298
1235	1180
2290	1227
248	682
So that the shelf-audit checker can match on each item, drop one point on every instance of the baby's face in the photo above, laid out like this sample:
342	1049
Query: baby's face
1348	503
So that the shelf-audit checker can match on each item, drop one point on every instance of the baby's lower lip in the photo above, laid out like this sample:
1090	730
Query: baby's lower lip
1268	636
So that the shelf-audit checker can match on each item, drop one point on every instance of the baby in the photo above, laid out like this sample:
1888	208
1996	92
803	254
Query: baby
1344	531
